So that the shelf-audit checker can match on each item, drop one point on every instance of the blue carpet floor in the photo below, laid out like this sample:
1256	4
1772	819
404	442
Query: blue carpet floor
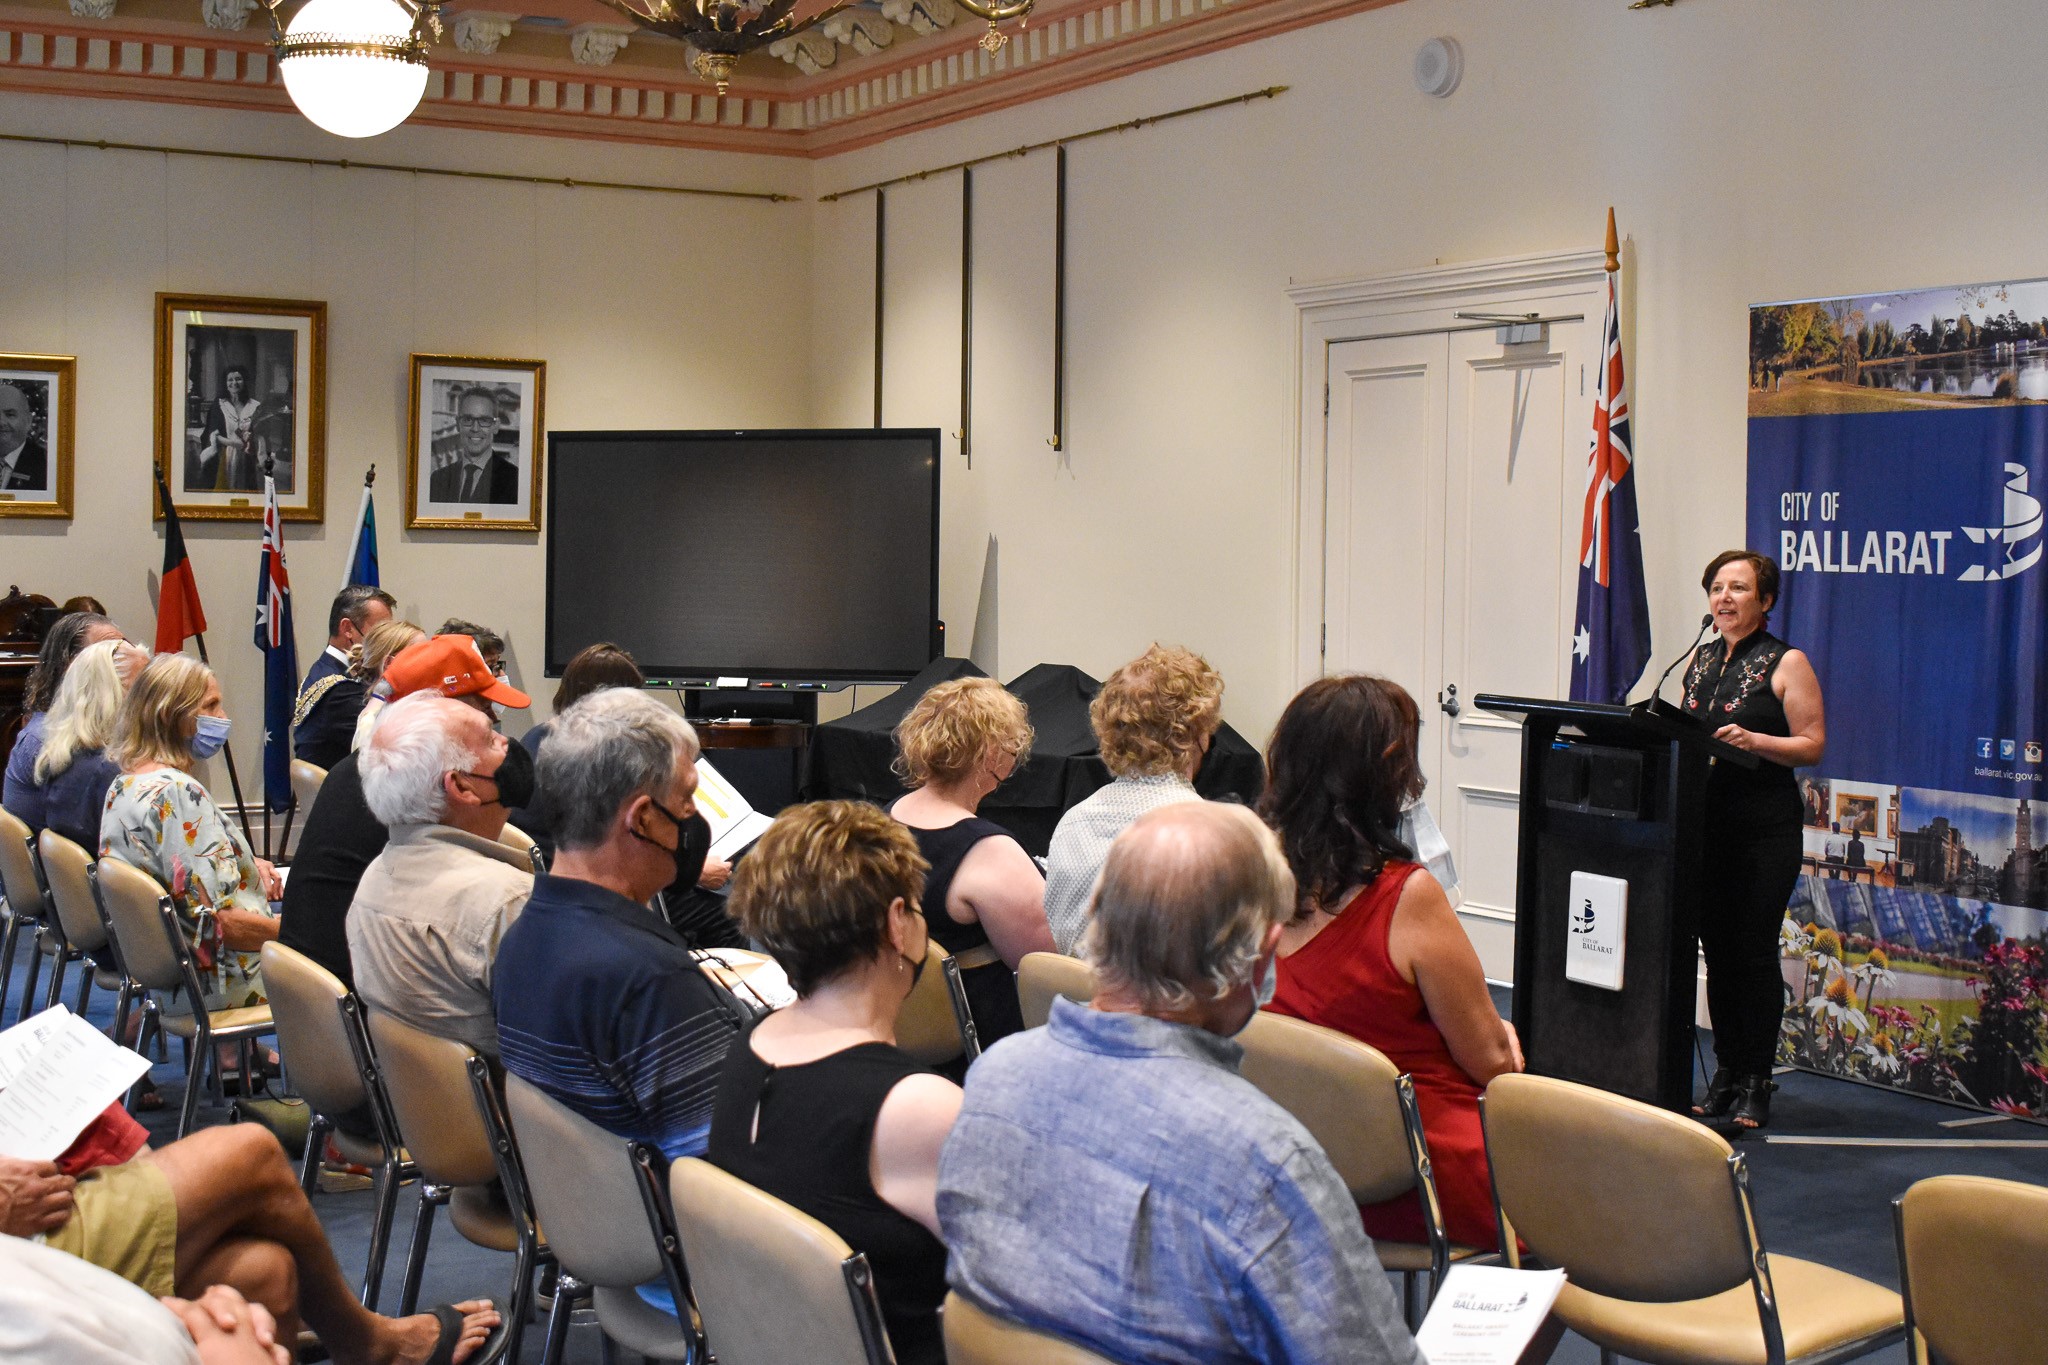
1821	1200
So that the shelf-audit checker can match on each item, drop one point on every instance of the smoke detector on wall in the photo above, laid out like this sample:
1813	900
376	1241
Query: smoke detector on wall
1439	63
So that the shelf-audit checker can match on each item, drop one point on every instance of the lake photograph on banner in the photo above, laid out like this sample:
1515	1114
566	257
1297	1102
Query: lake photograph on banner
1898	464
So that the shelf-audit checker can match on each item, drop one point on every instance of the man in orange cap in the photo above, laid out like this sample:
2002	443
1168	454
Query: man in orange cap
340	836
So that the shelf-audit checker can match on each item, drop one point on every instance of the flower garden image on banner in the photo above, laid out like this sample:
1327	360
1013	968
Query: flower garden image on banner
1898	464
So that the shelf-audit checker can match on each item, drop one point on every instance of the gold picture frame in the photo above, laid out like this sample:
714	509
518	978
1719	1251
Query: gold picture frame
212	435
36	466
466	470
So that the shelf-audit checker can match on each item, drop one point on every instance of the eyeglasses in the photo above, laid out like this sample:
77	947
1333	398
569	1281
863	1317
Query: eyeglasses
497	668
480	423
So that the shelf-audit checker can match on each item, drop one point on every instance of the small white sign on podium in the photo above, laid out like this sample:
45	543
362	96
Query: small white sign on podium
1594	954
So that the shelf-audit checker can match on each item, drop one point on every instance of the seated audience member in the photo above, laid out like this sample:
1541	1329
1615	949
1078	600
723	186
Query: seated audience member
1153	721
692	911
341	837
424	930
599	1002
816	1104
489	643
160	820
1114	1181
221	1207
1374	949
984	897
58	1310
20	794
380	647
73	768
324	717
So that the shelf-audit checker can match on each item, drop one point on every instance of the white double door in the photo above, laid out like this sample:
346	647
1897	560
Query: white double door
1454	489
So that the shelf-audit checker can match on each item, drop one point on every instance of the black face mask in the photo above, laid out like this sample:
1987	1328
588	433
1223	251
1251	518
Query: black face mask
693	843
514	777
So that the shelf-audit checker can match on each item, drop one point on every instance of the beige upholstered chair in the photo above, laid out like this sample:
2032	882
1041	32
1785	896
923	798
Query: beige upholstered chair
1649	1215
1973	1262
327	1055
156	954
307	779
81	934
1041	976
977	1338
27	907
607	1214
519	841
1362	1109
775	1286
935	1025
454	1128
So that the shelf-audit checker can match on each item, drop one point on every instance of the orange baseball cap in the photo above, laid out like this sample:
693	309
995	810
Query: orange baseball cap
453	666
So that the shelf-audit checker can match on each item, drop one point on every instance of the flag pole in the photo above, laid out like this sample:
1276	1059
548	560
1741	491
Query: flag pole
1613	244
227	751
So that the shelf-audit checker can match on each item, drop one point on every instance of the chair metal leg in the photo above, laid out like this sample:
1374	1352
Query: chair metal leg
59	962
607	1354
524	1266
35	971
201	1064
1409	1309
124	1005
85	987
316	1147
431	1198
386	1213
567	1289
7	940
1608	1357
190	1108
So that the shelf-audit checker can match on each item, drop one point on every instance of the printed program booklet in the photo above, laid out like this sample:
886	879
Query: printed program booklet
1487	1314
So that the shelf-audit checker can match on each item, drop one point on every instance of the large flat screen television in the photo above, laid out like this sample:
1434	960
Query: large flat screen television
774	556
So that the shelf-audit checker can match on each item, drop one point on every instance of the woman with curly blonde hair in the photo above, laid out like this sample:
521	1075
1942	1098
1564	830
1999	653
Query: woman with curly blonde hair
1153	720
984	898
385	642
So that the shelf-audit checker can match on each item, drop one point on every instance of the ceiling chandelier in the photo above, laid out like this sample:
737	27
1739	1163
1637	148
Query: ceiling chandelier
356	68
723	31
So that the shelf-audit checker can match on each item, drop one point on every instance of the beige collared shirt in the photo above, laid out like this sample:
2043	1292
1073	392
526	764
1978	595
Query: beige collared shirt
424	928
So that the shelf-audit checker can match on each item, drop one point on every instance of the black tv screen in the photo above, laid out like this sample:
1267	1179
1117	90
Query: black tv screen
766	555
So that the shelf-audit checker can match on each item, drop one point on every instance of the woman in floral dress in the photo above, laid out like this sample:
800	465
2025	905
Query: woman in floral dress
161	820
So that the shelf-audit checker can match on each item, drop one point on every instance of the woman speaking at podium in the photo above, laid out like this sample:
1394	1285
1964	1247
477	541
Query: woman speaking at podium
1759	694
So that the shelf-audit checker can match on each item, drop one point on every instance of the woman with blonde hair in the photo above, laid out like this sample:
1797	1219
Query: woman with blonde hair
160	820
385	640
73	768
984	898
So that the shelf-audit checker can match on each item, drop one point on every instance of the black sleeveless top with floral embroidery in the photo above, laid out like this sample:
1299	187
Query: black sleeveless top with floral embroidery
1724	690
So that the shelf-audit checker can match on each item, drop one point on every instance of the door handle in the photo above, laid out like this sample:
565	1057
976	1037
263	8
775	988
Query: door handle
1447	700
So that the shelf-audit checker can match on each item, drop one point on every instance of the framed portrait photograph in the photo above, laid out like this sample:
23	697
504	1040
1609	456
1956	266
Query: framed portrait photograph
241	381
36	406
1856	814
476	438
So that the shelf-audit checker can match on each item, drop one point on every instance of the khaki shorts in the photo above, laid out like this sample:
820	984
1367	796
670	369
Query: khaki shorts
125	1220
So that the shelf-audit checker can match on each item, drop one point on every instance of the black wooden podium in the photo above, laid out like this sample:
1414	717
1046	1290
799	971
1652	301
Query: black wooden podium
1621	792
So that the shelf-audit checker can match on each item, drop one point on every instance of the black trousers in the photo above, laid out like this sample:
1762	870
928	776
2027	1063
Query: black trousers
1749	879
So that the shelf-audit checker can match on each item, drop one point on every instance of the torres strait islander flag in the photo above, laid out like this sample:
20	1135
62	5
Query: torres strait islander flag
1611	635
280	655
178	614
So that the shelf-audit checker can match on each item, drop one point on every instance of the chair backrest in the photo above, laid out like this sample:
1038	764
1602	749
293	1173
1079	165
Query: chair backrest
18	868
306	781
306	1003
64	868
585	1190
517	839
774	1285
929	1027
1347	1094
1041	976
427	1080
1973	1262
144	925
1631	1201
977	1338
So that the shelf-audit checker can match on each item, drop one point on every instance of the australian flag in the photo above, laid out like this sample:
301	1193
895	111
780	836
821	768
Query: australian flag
1611	637
280	655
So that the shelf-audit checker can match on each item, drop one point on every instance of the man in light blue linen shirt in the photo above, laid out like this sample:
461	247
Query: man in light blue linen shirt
1113	1181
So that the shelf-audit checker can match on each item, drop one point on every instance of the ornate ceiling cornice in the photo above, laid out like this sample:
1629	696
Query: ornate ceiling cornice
928	73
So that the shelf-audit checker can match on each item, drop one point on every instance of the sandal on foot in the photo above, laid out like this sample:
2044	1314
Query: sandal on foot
451	1319
1720	1096
1753	1101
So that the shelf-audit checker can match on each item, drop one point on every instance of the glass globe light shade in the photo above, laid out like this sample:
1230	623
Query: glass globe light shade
352	94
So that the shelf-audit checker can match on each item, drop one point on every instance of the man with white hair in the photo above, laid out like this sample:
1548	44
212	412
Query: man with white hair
1114	1181
432	908
600	1004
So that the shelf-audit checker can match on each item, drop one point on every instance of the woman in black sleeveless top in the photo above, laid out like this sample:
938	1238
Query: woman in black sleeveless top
984	897
816	1105
1761	695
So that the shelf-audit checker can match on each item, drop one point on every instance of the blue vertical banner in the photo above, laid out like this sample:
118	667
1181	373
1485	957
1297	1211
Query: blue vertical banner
1898	465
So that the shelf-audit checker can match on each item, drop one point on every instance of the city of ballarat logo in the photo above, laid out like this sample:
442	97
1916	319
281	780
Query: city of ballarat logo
2020	535
1583	918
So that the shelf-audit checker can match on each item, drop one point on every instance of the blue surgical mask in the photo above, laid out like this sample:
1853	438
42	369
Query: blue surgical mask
1266	982
210	736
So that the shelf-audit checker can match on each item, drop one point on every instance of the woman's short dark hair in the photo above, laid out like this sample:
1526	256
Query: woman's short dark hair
1766	574
1339	768
597	666
60	647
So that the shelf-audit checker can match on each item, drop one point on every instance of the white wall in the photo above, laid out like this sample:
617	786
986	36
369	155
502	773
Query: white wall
1754	149
621	293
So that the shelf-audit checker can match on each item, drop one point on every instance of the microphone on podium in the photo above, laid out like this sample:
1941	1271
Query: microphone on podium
1654	704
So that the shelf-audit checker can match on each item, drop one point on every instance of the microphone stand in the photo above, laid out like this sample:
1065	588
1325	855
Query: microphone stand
1654	704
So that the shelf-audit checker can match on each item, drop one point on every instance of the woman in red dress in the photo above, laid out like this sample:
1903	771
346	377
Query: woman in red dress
1375	950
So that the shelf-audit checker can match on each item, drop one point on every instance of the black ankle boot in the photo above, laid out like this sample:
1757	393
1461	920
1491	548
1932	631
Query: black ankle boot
1753	1101
1720	1096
